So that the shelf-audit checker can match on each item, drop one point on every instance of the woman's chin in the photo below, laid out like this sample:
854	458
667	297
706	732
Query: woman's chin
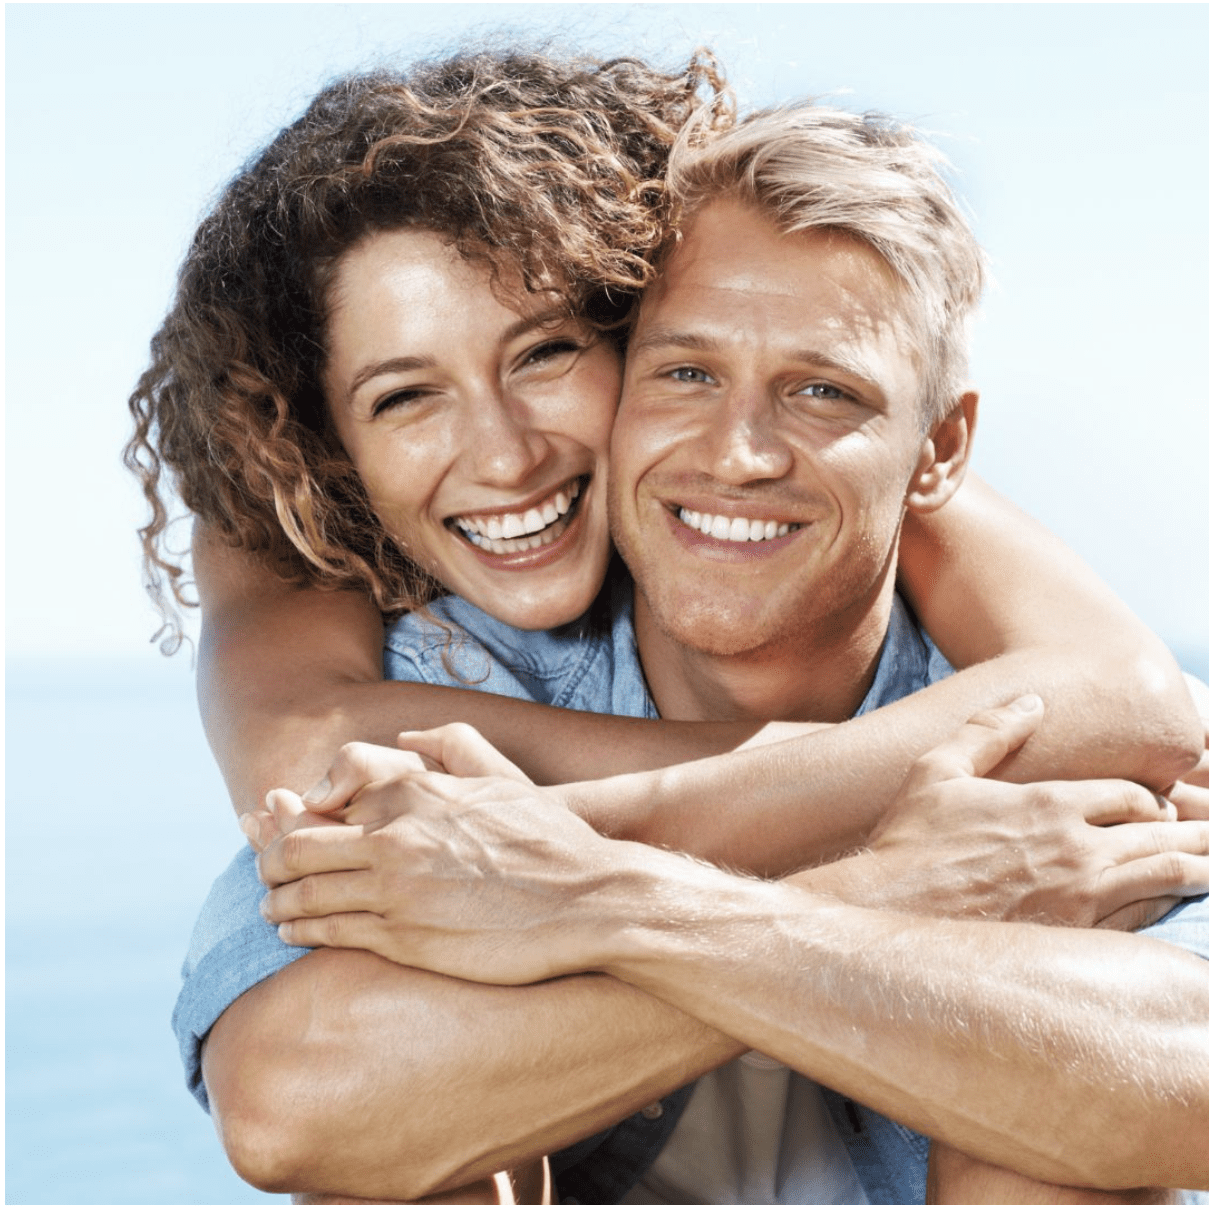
541	597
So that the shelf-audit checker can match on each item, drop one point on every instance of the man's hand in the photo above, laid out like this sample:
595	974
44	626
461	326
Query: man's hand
1101	852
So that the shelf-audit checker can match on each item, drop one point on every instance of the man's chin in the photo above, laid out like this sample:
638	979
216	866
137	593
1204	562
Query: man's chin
714	626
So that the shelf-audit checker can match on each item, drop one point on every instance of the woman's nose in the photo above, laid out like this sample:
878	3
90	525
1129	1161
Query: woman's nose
506	445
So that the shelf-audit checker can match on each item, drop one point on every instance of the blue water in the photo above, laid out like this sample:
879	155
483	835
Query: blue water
117	820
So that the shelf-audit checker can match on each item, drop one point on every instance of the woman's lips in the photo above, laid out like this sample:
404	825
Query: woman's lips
504	533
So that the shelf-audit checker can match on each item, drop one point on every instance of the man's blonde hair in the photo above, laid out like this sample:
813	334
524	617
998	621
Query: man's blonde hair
811	167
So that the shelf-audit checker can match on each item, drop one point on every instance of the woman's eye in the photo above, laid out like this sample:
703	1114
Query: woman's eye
552	349
691	376
401	397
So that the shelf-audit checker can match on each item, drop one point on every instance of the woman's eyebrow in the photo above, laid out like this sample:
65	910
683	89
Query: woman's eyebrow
405	364
545	318
396	364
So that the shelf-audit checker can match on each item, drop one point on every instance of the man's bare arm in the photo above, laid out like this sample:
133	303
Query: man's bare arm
347	1073
897	875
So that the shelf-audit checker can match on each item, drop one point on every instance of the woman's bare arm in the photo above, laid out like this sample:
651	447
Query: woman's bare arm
286	676
289	675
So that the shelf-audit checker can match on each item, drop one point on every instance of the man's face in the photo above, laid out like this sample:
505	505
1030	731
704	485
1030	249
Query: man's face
767	437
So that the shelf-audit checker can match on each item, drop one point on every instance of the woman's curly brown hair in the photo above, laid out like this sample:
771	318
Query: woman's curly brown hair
544	167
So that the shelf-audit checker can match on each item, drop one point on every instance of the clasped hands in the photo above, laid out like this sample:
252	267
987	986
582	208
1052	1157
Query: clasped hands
443	855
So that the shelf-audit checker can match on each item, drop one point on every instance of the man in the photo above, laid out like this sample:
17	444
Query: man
786	375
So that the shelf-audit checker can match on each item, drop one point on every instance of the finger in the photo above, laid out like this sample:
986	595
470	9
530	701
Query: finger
318	895
1112	801
1172	873
250	827
311	852
349	930
1139	915
286	813
461	750
981	744
1191	803
259	828
355	765
284	806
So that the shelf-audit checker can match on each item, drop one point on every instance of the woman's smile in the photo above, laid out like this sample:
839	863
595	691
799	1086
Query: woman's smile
508	532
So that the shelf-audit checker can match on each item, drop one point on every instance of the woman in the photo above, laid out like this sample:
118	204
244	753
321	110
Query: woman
413	275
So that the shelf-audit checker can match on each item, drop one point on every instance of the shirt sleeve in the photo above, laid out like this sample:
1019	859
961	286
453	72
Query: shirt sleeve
1187	926
232	950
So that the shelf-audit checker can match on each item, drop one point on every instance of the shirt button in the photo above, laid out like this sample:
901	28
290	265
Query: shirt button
652	1111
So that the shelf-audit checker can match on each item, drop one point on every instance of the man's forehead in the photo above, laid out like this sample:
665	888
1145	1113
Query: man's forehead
734	271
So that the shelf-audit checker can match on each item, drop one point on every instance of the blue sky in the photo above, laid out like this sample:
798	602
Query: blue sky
1079	133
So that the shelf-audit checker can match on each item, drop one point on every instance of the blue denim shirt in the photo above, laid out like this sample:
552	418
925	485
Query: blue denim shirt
591	665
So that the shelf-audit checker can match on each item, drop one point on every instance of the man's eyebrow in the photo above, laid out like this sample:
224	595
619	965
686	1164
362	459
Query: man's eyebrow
658	338
407	364
850	366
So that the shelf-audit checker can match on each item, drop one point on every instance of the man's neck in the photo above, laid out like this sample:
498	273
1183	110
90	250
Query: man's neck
818	675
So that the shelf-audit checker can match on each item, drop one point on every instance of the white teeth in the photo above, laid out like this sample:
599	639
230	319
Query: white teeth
517	532
720	527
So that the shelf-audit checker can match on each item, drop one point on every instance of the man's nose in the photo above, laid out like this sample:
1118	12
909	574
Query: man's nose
504	440
743	440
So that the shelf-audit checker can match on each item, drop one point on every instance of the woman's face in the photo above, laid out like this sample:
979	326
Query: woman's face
479	428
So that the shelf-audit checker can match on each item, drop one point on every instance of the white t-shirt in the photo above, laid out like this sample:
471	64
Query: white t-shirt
753	1131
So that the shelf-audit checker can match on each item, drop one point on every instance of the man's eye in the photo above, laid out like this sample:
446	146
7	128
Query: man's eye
691	376
821	389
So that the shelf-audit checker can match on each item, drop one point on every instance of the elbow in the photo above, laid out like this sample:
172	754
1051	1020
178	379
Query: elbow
1168	731
252	1099
292	1104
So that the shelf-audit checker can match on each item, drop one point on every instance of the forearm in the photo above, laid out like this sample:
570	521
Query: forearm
986	580
287	676
777	808
1071	1056
400	1083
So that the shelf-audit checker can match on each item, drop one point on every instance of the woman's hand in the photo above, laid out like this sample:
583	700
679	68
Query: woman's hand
457	749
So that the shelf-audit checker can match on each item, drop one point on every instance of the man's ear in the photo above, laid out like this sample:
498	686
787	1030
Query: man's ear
944	457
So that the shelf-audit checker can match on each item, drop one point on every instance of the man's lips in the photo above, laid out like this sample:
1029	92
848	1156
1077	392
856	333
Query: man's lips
735	529
507	532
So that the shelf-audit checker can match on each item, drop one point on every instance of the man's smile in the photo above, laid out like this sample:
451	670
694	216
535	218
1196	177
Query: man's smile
736	529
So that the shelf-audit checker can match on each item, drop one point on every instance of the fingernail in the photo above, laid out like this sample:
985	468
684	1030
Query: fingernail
1026	703
251	828
319	793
